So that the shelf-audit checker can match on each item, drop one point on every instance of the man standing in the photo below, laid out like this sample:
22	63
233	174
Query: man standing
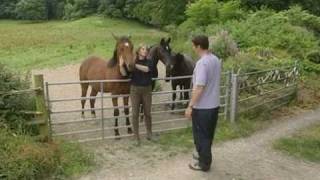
204	105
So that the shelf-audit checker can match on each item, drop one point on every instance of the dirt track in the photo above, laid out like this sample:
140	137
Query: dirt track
250	158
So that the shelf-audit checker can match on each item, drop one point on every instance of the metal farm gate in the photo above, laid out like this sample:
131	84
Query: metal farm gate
241	93
64	107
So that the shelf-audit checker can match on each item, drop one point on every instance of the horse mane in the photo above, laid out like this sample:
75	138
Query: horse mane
151	51
113	61
185	65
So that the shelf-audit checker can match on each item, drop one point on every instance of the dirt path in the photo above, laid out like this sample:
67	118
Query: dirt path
249	158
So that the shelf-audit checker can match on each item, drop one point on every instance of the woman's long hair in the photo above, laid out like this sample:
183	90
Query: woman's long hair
138	50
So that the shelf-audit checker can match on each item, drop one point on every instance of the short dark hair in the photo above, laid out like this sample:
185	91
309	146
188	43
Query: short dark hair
202	41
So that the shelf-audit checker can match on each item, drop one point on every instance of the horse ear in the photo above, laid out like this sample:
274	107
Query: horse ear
115	37
169	40
162	42
179	57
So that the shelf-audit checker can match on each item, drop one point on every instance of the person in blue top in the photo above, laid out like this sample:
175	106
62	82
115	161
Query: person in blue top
204	105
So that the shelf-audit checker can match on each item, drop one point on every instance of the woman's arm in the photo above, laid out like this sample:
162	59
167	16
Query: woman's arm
123	71
142	68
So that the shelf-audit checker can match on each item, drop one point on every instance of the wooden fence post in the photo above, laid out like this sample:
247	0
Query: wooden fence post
234	98
42	117
227	95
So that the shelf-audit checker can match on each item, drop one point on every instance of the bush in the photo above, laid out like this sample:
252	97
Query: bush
68	11
31	10
23	158
11	106
311	67
310	5
154	12
250	62
204	12
314	57
112	8
79	8
55	9
269	29
231	10
7	8
302	18
223	45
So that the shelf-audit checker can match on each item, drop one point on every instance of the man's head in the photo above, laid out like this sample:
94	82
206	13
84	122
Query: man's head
200	44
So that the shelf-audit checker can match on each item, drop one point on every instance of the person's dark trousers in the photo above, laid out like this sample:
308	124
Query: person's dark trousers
204	123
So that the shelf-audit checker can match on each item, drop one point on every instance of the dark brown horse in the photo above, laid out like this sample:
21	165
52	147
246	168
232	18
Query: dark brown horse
162	52
180	65
95	68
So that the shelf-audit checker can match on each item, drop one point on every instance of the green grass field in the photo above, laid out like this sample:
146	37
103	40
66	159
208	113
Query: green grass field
304	144
25	46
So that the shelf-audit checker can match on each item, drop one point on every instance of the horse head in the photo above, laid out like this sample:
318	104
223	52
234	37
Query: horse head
164	51
124	49
173	64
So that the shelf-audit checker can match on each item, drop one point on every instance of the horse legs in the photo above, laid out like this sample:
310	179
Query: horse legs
115	114
181	93
92	102
186	94
174	96
126	112
141	113
84	88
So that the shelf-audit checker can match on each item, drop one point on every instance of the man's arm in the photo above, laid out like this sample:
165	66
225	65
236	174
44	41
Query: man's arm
196	94
197	91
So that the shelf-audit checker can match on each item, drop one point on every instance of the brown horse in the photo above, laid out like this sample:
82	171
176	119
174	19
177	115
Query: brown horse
95	68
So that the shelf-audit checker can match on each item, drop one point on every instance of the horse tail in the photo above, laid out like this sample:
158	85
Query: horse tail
83	71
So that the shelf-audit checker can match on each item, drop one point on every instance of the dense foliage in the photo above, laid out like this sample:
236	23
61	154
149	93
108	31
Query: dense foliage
24	158
269	36
153	12
312	6
13	105
31	9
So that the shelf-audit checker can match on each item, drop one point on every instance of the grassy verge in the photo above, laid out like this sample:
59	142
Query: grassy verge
304	144
26	46
24	158
183	140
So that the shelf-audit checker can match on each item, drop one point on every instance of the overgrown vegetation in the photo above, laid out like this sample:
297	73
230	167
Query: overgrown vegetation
12	106
24	158
154	12
304	144
253	40
22	155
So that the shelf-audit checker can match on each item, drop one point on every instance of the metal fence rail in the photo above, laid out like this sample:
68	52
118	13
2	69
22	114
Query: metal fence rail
242	100
103	119
234	101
